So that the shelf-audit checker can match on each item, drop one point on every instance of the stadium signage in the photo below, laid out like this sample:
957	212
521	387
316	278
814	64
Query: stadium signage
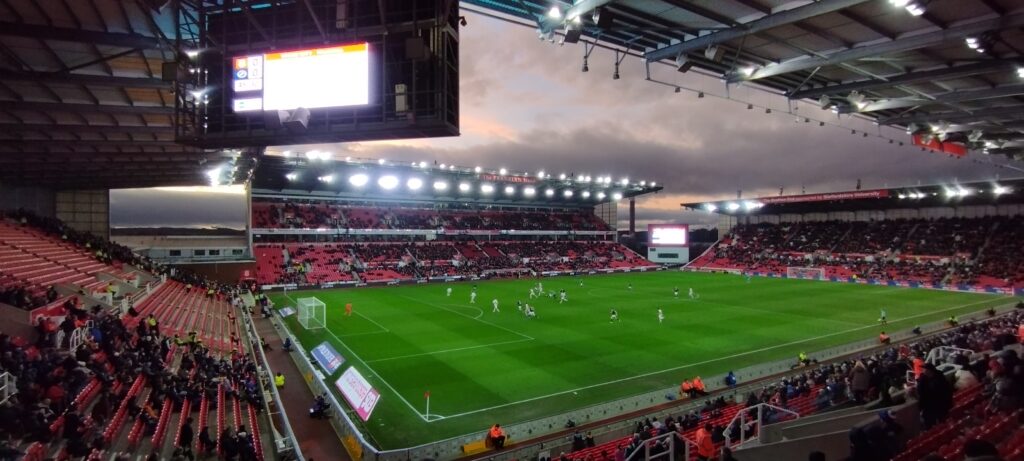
358	392
854	195
328	358
515	179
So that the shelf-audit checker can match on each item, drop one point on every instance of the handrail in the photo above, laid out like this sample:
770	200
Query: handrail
288	441
741	417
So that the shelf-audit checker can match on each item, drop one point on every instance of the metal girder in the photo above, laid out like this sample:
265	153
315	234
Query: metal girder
899	45
18	29
101	129
78	107
945	73
1006	111
82	79
946	98
759	25
85	142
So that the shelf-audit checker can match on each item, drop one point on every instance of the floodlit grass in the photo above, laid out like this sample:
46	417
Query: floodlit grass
482	367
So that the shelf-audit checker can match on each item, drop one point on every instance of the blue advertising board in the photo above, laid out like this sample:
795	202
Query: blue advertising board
328	358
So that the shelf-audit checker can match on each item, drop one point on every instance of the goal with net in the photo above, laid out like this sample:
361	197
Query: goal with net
812	273
312	313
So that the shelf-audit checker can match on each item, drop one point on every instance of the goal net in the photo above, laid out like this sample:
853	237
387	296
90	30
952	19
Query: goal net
312	313
813	273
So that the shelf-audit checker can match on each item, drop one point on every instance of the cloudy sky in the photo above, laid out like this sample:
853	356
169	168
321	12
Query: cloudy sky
527	106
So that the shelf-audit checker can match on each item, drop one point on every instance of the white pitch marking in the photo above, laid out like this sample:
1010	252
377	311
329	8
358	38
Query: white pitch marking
445	351
681	367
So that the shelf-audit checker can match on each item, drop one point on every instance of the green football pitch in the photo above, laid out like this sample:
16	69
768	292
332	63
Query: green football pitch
482	367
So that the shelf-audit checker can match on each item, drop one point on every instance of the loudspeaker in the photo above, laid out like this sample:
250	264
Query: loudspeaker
683	64
274	119
299	120
171	72
714	53
572	35
603	18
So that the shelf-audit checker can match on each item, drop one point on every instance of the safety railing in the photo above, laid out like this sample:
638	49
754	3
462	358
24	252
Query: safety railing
8	386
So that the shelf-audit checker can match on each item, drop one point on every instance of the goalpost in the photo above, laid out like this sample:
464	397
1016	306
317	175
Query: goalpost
812	273
312	313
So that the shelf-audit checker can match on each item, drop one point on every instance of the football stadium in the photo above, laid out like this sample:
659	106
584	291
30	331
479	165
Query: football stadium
395	230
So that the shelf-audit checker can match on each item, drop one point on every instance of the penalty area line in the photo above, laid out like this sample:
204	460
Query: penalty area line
445	351
727	357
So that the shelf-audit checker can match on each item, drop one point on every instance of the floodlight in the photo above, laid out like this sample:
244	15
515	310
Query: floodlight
601	195
443	166
312	154
561	176
902	196
286	153
464	186
567	193
1020	72
950	193
653	184
963	192
549	192
503	172
617	196
325	155
478	169
327	178
625	181
440	185
915	9
423	164
197	93
710	207
382	161
540	174
509	190
191	53
414	183
529	191
748	71
214	174
732	206
899	3
751	205
292	176
387	182
555	12
358	180
486	188
1000	190
586	194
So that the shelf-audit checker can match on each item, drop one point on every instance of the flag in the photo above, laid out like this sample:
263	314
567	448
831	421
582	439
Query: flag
426	395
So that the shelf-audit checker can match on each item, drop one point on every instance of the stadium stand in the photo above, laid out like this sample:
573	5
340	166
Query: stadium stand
369	262
973	251
135	379
279	214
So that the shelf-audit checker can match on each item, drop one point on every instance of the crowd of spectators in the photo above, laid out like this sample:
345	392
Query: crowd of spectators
319	214
954	250
114	354
874	378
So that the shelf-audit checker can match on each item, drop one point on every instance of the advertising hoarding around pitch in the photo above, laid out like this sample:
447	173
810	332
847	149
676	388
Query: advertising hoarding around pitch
328	358
358	392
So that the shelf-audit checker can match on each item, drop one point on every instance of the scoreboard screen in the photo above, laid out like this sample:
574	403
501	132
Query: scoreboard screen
336	76
668	235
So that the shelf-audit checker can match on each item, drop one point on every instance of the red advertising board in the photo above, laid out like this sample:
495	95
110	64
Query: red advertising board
934	145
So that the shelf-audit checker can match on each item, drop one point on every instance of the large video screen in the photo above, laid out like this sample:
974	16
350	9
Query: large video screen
668	235
337	76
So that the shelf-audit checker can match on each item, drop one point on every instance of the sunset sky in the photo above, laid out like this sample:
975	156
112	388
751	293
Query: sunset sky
525	105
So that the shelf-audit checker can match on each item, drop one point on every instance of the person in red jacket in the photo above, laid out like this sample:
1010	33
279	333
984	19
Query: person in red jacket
705	447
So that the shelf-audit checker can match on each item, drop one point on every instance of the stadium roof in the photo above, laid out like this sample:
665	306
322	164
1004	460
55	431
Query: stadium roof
949	68
939	195
375	179
82	102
